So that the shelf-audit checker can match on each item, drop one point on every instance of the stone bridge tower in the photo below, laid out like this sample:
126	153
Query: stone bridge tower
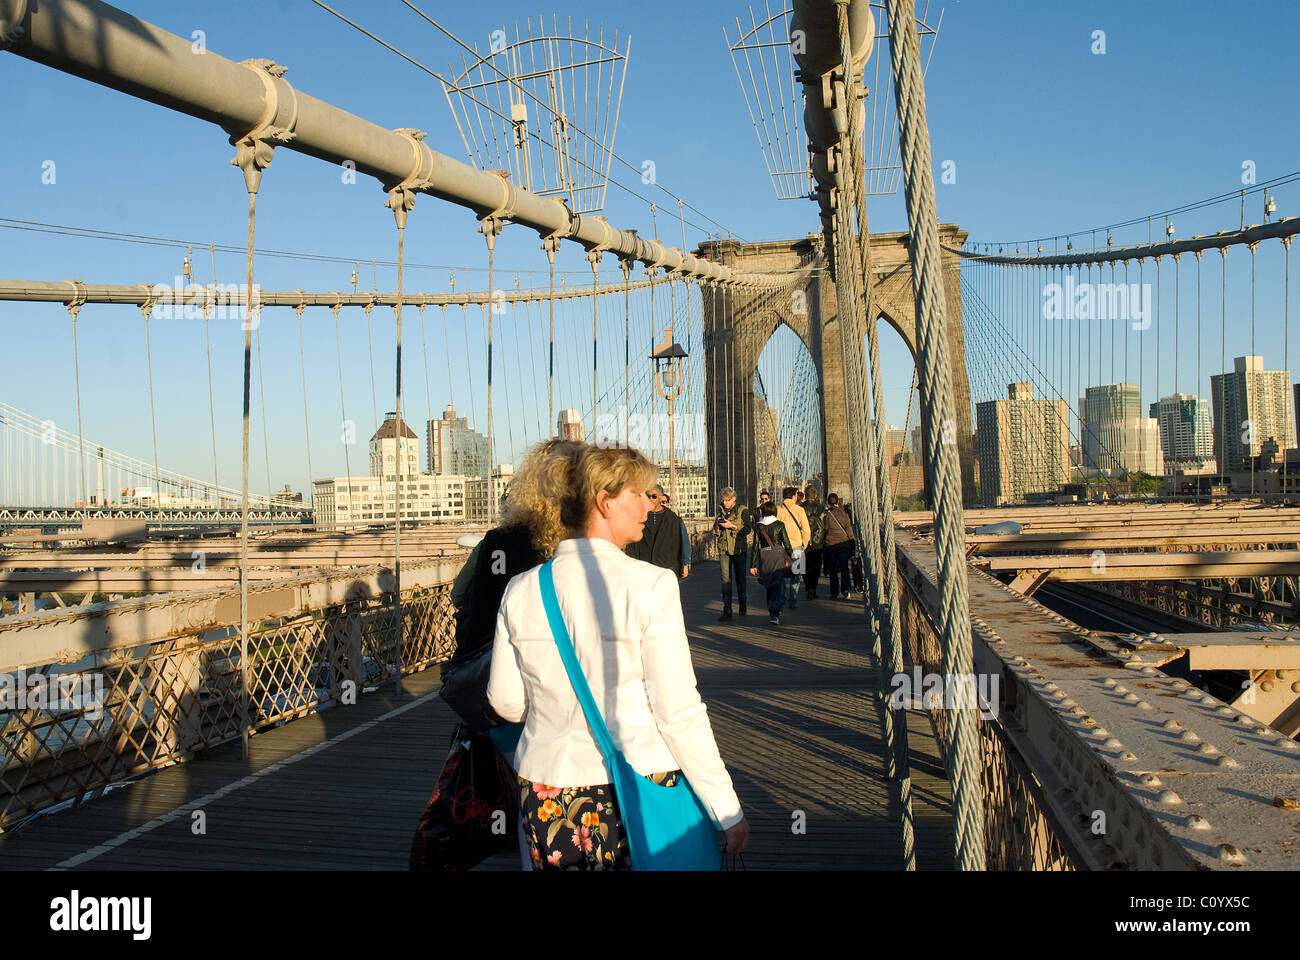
738	324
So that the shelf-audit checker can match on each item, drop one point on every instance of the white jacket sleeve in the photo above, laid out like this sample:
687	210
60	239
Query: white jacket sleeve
679	712
505	690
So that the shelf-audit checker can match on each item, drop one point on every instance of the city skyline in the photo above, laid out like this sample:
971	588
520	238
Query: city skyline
1008	179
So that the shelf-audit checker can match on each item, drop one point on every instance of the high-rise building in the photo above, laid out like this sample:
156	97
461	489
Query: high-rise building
1022	445
394	440
906	477
568	425
1184	428
455	449
1295	405
1141	451
1251	406
1110	422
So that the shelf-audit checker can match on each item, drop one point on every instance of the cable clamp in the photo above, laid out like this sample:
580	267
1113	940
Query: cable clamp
254	149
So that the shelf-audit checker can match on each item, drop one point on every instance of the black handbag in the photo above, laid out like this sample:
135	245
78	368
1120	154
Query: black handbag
464	689
474	810
774	562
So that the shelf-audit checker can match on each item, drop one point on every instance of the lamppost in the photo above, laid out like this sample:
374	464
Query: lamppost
668	382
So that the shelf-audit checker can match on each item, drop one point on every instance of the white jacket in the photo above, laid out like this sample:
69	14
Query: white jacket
625	620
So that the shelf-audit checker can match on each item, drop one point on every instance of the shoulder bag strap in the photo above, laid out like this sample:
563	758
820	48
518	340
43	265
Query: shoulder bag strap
571	666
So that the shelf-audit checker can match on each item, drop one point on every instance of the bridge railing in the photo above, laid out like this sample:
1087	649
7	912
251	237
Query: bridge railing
95	694
1020	830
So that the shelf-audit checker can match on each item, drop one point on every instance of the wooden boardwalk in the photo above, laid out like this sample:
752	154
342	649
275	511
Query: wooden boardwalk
342	789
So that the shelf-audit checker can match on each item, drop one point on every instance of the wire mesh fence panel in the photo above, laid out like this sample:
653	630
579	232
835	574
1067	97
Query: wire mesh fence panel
66	734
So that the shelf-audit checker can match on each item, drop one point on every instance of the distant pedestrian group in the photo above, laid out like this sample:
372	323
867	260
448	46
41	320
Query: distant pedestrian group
782	544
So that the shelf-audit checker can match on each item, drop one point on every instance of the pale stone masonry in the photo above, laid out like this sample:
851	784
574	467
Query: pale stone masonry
738	324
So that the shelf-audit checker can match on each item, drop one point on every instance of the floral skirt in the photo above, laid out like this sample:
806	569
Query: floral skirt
577	828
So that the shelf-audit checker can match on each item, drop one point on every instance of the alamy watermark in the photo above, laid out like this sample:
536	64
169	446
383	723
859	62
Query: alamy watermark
642	430
919	690
223	301
1098	301
53	693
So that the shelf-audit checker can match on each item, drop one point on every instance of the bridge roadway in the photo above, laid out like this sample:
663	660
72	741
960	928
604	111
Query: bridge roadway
343	788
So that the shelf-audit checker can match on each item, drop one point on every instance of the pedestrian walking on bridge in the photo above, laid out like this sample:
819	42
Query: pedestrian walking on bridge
732	529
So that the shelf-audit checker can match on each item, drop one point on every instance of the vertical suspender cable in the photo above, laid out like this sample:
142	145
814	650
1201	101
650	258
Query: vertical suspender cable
446	350
1286	325
950	537
650	275
1255	446
207	342
1196	427
344	425
428	396
532	369
1222	465
594	257
490	228
370	342
464	325
626	267
147	309
550	244
251	157
1177	328
306	422
74	308
261	401
400	200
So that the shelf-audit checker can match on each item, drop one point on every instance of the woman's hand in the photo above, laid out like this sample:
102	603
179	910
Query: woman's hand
738	837
753	571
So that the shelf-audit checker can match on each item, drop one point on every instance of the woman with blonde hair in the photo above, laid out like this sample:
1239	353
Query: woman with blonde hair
527	535
624	618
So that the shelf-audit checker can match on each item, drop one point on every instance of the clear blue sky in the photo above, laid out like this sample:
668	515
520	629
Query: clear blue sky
1045	135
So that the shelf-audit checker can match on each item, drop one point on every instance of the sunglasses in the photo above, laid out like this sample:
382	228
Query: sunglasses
653	496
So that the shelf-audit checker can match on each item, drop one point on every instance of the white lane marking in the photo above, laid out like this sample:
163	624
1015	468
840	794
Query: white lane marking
230	788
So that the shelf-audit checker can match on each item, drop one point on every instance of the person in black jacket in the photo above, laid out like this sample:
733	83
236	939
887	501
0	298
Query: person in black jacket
663	543
769	534
816	514
529	531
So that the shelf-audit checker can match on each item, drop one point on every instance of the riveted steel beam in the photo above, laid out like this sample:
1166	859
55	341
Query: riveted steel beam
1180	779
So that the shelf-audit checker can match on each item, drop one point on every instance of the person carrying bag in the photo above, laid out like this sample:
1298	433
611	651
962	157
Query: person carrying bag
772	563
597	627
667	828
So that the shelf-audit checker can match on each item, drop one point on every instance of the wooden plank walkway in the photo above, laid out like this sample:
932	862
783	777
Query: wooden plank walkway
343	789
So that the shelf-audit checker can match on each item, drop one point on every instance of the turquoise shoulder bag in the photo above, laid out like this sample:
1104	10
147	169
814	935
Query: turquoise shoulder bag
668	828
